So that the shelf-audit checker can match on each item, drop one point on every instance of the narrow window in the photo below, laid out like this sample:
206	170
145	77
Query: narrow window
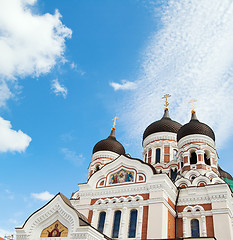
175	152
173	174
116	224
193	158
133	223
195	228
101	221
157	155
207	160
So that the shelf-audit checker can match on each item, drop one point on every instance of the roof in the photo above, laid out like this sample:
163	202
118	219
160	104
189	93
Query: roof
82	219
195	127
110	144
165	124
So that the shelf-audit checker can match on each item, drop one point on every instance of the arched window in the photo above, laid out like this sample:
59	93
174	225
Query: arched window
173	174
157	155
116	224
175	152
132	223
207	160
193	158
101	221
195	228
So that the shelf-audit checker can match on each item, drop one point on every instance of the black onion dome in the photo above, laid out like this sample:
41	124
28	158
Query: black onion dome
165	124
109	144
195	127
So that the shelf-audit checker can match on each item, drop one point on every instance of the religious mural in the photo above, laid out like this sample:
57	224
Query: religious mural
121	177
55	230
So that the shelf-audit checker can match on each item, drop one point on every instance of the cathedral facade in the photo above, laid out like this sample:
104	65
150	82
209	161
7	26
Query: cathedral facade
177	191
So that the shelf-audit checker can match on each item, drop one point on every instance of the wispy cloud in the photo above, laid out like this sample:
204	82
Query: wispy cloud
189	57
11	140
59	89
124	85
76	68
73	157
43	196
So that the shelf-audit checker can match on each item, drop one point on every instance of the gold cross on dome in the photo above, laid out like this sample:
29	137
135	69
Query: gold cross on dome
193	107
166	96
114	122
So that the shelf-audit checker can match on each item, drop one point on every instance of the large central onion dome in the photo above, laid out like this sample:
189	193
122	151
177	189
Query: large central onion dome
195	127
165	124
109	144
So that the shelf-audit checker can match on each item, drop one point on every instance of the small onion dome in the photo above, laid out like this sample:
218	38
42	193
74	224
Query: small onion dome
109	144
165	124
224	174
195	127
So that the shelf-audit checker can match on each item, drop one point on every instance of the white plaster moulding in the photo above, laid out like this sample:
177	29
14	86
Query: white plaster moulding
159	136
196	138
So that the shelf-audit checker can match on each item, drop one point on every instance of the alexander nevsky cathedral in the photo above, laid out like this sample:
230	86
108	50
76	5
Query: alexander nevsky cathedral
176	191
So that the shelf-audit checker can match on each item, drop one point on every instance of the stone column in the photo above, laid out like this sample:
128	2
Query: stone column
203	226
107	227
123	225
200	156
139	225
186	159
94	218
185	234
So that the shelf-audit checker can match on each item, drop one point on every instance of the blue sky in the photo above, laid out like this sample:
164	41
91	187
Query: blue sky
68	67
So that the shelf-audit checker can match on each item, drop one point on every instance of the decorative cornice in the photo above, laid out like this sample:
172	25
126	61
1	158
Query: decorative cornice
159	136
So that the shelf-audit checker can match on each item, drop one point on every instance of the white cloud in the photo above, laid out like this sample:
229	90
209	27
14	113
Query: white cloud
11	140
189	57
73	157
30	44
59	89
124	85
43	196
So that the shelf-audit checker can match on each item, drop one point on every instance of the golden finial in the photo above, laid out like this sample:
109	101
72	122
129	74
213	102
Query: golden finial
114	122
193	107
166	96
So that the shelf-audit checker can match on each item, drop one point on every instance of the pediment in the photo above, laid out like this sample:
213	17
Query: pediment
122	171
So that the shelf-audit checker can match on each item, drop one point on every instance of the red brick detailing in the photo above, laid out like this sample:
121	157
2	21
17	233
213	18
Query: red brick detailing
214	170
179	227
149	156
186	168
91	172
210	226
201	184
201	166
102	183
186	159
183	186
93	201
140	178
145	197
90	216
207	207
166	154
171	226
144	223
171	204
200	158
